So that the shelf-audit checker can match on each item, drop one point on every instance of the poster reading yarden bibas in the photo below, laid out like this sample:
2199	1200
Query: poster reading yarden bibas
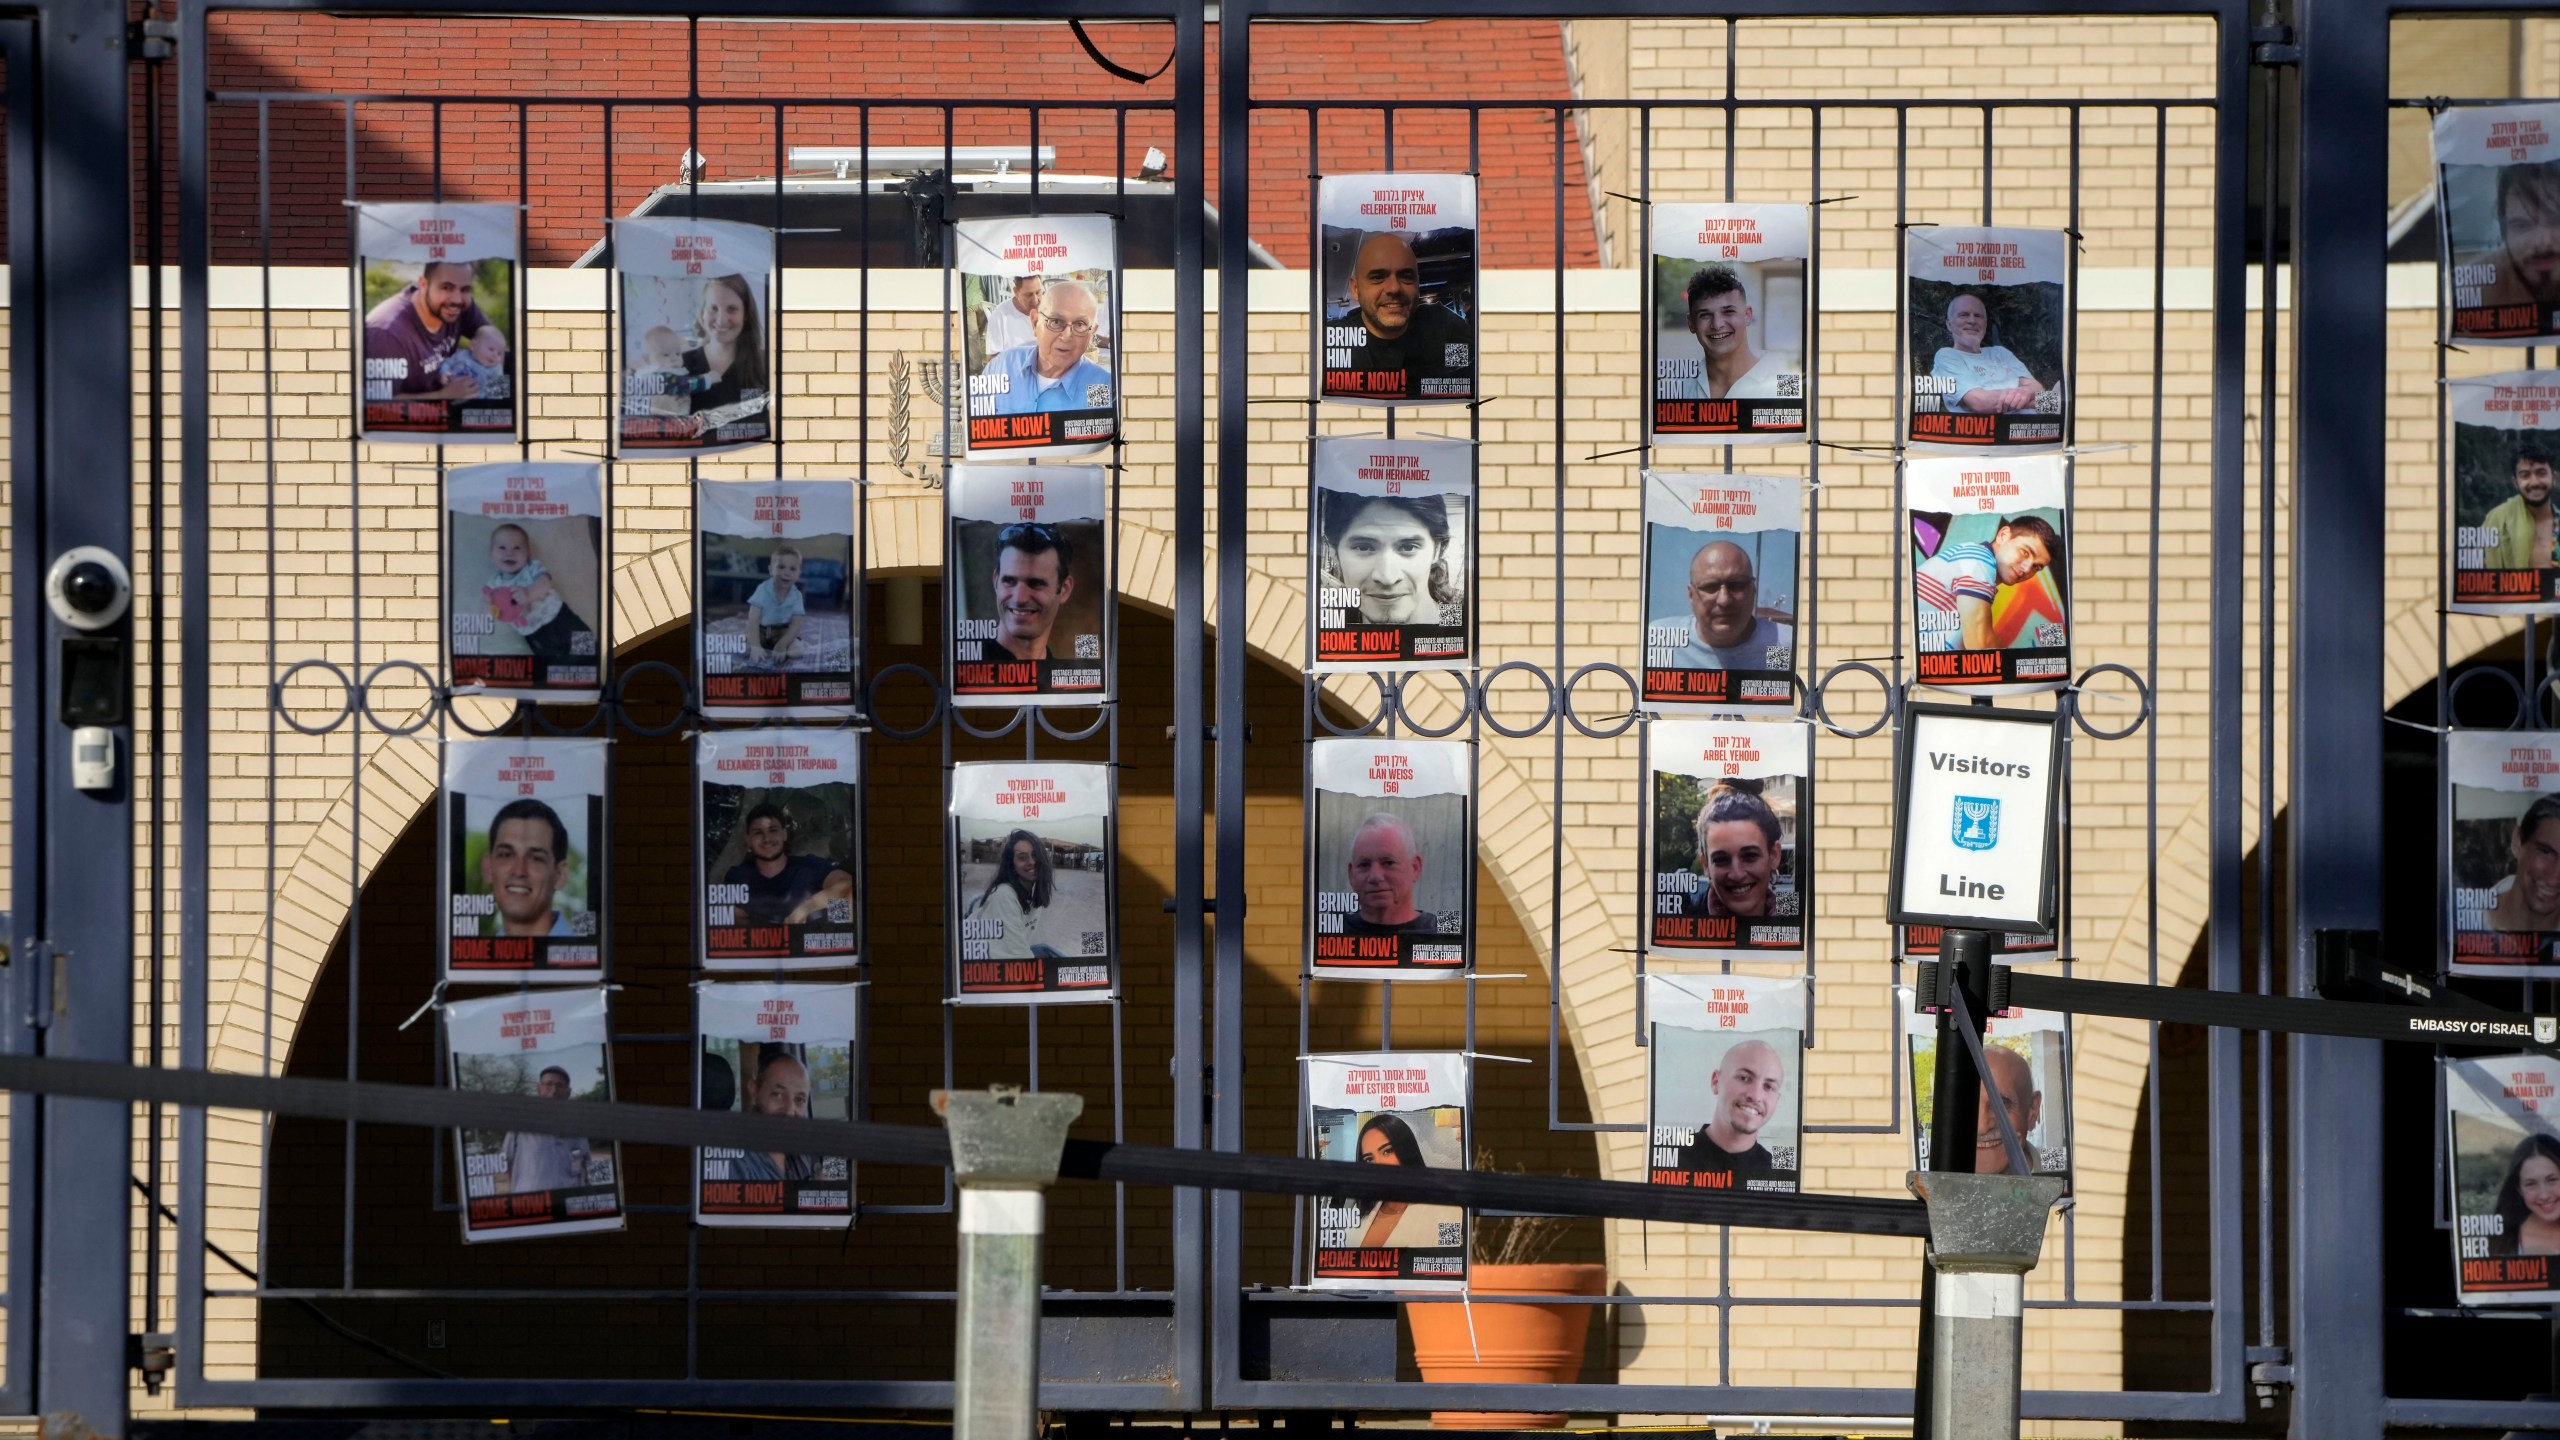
1730	300
435	293
524	884
778	837
1988	323
1039	294
784	1051
2498	193
2504	852
551	1044
1396	289
1032	882
1407	1110
697	339
1720	590
1730	805
2503	1131
524	579
774	597
2505	451
1391	552
1029	580
1990	594
1389	854
1724	1107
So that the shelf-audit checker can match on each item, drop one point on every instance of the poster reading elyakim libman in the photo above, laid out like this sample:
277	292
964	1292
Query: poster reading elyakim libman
1730	304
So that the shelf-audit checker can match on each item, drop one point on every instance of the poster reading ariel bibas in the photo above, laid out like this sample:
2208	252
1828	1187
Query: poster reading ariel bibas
1389	854
1404	1110
1988	319
2504	852
774	597
1720	590
436	290
1042	291
2505	452
778	837
1724	1106
1392	555
1032	884
524	886
1396	289
2498	193
525	561
553	1045
784	1051
1730	301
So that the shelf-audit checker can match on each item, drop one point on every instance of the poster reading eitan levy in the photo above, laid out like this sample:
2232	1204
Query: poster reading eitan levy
1730	301
2029	1054
2498	191
1390	852
2506	450
524	884
774	597
783	1051
2504	1135
436	289
1990	596
2504	853
1392	552
552	1045
1029	579
524	579
1720	586
1730	804
1032	885
778	839
1724	1104
1407	1110
1038	296
1988	322
1396	289
696	333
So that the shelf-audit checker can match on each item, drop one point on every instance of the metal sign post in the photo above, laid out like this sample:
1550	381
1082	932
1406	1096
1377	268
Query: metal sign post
1985	1233
1004	1152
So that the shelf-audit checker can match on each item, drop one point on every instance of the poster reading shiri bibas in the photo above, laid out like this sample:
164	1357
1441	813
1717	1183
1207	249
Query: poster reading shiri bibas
1988	322
2504	852
2503	1130
1720	590
774	597
524	579
1730	300
1990	596
436	293
1730	804
1389	854
1396	289
697	340
1032	882
2498	193
551	1044
1407	1110
783	1051
2029	1053
2505	452
524	881
1391	551
1029	578
1039	294
778	838
1724	1099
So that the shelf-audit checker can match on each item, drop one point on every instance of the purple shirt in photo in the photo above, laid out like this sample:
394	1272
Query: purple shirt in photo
401	357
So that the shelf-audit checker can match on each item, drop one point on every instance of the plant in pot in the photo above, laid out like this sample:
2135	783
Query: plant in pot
1511	1343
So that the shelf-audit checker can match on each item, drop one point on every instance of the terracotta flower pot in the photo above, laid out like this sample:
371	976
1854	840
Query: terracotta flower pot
1531	1344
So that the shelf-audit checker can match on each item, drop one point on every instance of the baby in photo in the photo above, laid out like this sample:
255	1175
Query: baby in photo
520	593
658	384
484	360
775	610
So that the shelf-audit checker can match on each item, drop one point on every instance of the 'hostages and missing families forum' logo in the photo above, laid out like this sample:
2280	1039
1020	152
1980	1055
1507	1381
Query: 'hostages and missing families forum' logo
1977	823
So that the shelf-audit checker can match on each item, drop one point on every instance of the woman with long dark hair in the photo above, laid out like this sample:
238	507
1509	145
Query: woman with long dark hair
1388	1140
2529	1200
1017	897
731	356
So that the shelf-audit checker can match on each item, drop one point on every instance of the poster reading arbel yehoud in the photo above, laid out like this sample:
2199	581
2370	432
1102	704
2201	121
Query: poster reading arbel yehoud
1387	1108
1724	1100
2503	1131
1391	552
778	839
1038	296
1396	289
1730	301
2029	1052
1720	587
1988	322
1732	801
525	560
696	332
436	290
1390	849
2498	193
784	1051
1028	572
1990	594
1032	884
551	1044
774	597
524	881
2506	451
2504	853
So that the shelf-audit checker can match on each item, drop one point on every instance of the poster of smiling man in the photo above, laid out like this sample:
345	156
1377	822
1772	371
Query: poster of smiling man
2029	1054
774	598
524	882
1396	289
1720	590
1395	1109
1390	852
1730	300
2498	199
1988	323
2504	852
1391	552
1039	294
435	299
1724	1106
1730	872
1027	569
1032	885
1990	589
696	328
553	1045
2505	555
784	1051
525	561
778	842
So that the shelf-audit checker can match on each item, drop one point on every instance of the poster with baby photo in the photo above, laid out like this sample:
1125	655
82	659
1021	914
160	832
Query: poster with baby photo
2504	452
435	297
1404	1110
779	847
2502	1131
1027	567
525	559
783	1051
1039	295
1988	320
1732	802
523	859
2498	200
1390	858
1033	896
775	589
1720	588
2029	1051
1724	1097
1393	552
1396	289
1731	302
696	337
553	1045
2503	857
1990	586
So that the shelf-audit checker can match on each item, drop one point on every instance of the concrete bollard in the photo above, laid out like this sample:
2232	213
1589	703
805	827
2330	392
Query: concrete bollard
1004	1152
1985	1233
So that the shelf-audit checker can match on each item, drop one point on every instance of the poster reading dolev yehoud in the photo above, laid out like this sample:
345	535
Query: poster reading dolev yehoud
1724	1100
436	292
1730	300
785	1051
1396	289
774	597
1387	1108
2029	1052
524	882
1390	850
551	1044
1720	588
2504	853
2498	193
1988	322
1038	296
1990	594
778	839
1029	578
2506	450
524	579
2502	1127
1032	885
1731	802
697	340
1391	552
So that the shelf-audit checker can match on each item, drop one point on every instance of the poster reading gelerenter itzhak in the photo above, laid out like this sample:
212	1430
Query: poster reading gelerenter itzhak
2503	1133
774	597
1720	588
2498	196
1032	882
2505	556
1396	289
435	293
1729	305
696	328
1724	1107
1731	801
1389	852
2504	852
525	560
784	1051
1027	569
524	882
1040	293
553	1045
1987	319
1407	1110
778	842
1390	552
1990	592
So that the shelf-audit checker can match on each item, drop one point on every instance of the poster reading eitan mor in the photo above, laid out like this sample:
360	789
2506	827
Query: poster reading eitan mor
1389	854
552	1045
784	1051
1720	586
774	597
1990	594
1391	552
524	579
1730	302
697	336
2029	1055
436	290
1988	323
2504	1137
778	837
1407	1110
2506	450
1039	295
1396	289
1029	579
1730	805
1724	1107
2498	193
2504	852
1032	883
524	883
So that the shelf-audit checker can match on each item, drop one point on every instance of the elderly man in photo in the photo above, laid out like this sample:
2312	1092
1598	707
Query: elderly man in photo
1051	373
1724	629
1385	865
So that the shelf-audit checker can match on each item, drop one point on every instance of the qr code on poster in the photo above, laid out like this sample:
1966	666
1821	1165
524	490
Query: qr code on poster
582	642
839	912
1452	923
1454	356
1790	386
1098	396
1088	647
1453	1232
1782	1157
1094	943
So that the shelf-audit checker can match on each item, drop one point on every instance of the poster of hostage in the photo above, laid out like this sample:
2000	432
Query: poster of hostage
1039	295
1392	553
783	1051
552	1044
775	589
1720	589
2505	449
1724	1098
1730	804
696	333
1730	300
1396	289
1920	942
2029	1052
524	883
1033	892
1990	594
2502	1127
1988	320
435	294
778	842
2504	853
1029	578
1406	1110
524	579
2498	196
1390	852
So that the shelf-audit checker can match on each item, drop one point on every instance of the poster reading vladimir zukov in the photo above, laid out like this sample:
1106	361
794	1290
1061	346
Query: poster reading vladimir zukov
435	294
696	331
1392	551
2504	853
2504	1137
1730	804
1028	573
1724	1098
1390	852
1033	891
774	597
783	1051
1730	299
524	883
551	1044
1720	590
1396	289
2498	193
1407	1110
1990	593
1988	322
525	560
778	840
2506	450
1039	294
2029	1053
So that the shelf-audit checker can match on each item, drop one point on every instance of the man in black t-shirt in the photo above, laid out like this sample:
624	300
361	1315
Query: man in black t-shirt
783	888
1401	348
1748	1085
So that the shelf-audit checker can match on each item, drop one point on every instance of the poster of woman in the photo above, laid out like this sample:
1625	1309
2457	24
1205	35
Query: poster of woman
1395	317
2504	558
1730	867
1720	590
1390	854
2505	1166
524	882
550	1044
778	848
1385	1108
2498	198
697	341
525	560
435	297
2503	856
784	1051
1990	586
1033	891
1730	301
1724	1096
1987	317
774	597
1039	297
2029	1052
1027	571
1391	551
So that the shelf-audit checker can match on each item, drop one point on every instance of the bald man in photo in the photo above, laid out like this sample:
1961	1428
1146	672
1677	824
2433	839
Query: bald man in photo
1385	865
2025	1104
1396	344
1723	629
1750	1086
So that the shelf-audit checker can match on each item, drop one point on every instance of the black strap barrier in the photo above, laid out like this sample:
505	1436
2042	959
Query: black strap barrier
2451	1020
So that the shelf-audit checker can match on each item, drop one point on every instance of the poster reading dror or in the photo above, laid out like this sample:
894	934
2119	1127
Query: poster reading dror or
2498	191
1990	594
524	882
1396	289
1989	327
436	286
783	1051
2504	852
1720	587
2029	1052
778	838
2502	1128
1731	298
1385	1108
1039	294
554	1045
1724	1096
1028	572
1731	804
1390	850
2505	451
1032	882
524	579
774	596
696	332
1392	551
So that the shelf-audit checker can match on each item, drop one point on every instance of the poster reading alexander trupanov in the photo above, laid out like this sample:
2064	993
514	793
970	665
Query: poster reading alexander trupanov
1990	594
2498	193
783	1051
1039	296
525	560
2502	1128
523	862
554	1045
1390	852
2503	856
1732	802
1388	1108
1989	326
1033	891
2029	1052
435	293
778	842
1391	549
1028	573
696	336
2505	450
1724	1097
1396	289
1720	587
1730	302
774	598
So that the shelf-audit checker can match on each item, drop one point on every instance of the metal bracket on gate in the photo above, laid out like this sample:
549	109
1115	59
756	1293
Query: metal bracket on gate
2273	45
152	39
2270	1370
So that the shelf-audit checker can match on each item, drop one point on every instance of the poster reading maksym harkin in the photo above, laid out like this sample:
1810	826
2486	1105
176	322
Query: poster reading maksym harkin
1730	299
1389	854
552	1044
1386	1108
1039	294
525	560
778	839
1029	579
2504	853
1988	322
2503	1129
774	597
524	883
2498	193
1720	590
1032	886
697	336
1396	291
1391	552
784	1051
436	291
2506	450
1990	594
1724	1102
2029	1054
1731	801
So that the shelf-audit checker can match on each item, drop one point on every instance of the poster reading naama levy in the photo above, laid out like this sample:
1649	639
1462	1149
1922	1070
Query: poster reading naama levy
2503	1133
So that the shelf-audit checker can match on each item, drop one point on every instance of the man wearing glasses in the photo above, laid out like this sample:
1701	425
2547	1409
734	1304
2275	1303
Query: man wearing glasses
1724	629
1050	374
1720	316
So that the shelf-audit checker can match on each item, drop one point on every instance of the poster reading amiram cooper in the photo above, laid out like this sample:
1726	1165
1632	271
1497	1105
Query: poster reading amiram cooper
2498	196
1396	288
1391	546
1731	804
1724	1099
2503	856
774	598
2505	451
1387	1108
1990	592
1040	295
777	1050
2503	1136
524	882
1720	588
525	561
696	334
1390	850
435	297
778	840
1032	883
554	1045
1731	297
2029	1054
1988	322
1027	569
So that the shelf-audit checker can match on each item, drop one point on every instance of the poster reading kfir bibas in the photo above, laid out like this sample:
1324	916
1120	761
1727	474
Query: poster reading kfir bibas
2029	1054
1032	882
774	598
1392	552
2498	193
436	296
524	883
778	1050
2505	452
1389	854
1407	1110
1720	586
2504	852
1990	594
1730	802
1730	299
697	337
524	579
2503	1131
1988	320
778	840
1724	1105
1396	289
552	1044
1040	293
1029	578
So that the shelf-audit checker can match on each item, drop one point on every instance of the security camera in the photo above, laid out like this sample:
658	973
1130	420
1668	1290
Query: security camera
88	588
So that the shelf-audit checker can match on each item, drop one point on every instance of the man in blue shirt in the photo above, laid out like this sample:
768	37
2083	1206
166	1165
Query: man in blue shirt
1051	373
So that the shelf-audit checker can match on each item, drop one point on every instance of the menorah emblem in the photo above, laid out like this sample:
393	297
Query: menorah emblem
944	443
1977	823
